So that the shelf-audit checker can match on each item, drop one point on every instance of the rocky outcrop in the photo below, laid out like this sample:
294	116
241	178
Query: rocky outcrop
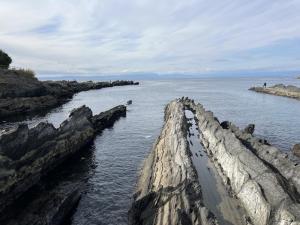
168	191
280	90
249	129
47	207
264	180
27	155
282	165
21	94
296	150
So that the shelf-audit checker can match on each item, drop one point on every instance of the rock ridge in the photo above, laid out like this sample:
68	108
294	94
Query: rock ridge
27	155
264	180
24	95
168	191
290	91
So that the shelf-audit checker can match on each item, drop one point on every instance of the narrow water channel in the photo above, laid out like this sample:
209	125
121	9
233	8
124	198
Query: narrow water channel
215	195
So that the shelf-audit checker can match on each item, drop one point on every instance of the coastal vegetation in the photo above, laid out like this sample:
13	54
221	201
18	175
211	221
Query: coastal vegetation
5	60
22	94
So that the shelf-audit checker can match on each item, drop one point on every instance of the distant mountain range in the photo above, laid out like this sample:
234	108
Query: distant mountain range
154	76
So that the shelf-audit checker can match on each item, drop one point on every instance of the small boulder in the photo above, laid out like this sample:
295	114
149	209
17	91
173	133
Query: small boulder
249	129
296	150
225	124
129	102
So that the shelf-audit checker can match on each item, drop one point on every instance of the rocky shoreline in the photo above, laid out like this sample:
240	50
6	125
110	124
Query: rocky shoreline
290	91
265	181
22	95
168	191
28	155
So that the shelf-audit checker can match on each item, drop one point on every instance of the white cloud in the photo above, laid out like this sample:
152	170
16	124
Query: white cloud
112	36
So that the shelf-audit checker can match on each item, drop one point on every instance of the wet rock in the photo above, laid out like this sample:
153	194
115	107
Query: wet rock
263	179
296	150
168	191
49	207
107	118
250	129
26	155
129	102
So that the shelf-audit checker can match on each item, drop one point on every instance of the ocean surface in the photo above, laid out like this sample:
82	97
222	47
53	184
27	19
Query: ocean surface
112	163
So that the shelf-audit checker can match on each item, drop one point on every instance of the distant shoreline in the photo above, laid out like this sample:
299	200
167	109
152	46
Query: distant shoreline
23	95
289	91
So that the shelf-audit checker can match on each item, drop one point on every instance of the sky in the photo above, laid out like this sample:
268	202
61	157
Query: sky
151	36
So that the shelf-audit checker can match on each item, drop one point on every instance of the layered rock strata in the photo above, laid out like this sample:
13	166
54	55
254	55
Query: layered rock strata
280	90
264	180
27	155
287	169
168	191
22	95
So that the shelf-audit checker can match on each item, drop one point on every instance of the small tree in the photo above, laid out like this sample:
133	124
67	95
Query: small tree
5	60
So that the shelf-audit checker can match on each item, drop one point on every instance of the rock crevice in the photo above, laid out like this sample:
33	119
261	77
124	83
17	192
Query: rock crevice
257	186
168	191
27	155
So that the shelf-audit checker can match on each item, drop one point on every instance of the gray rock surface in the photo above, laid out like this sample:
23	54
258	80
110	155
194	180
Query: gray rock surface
280	90
263	179
249	129
22	95
27	155
296	150
168	191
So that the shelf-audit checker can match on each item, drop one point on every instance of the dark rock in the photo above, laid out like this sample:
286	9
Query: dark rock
129	102
26	155
296	150
49	207
107	118
22	95
83	111
225	124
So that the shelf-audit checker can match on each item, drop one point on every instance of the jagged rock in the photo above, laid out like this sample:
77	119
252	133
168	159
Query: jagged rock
280	90
51	207
107	119
225	124
264	180
250	129
296	150
168	191
26	154
24	95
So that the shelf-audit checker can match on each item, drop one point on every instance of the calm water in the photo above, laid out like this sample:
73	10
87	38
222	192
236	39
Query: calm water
118	152
215	194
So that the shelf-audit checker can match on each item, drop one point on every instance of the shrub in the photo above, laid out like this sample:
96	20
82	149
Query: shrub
5	60
24	72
